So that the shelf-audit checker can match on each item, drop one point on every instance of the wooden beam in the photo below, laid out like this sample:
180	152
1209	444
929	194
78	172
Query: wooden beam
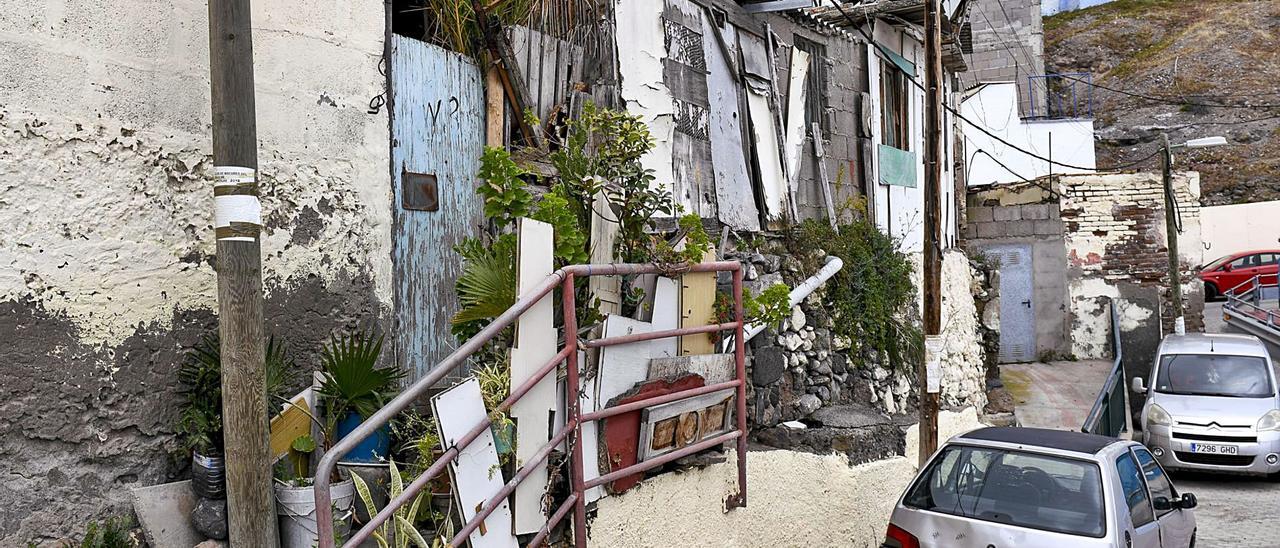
251	509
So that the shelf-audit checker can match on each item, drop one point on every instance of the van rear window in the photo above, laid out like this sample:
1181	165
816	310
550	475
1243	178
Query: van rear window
1013	487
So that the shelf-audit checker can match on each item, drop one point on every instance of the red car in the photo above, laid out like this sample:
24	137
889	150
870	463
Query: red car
1237	271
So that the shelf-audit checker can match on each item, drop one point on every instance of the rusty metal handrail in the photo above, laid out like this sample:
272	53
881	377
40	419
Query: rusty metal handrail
576	501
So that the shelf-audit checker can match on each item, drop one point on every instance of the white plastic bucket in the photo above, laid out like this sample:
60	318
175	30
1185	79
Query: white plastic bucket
296	507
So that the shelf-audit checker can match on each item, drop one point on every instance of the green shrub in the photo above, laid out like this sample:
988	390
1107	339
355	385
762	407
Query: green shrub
872	298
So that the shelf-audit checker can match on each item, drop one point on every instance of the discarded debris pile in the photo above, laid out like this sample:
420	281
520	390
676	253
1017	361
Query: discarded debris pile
861	434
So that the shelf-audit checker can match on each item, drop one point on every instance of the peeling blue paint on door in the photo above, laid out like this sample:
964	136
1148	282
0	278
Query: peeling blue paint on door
437	129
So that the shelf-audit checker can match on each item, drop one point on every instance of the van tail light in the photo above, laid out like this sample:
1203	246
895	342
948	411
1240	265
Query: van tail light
897	537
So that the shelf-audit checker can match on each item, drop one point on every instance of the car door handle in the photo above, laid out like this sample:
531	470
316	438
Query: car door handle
1027	303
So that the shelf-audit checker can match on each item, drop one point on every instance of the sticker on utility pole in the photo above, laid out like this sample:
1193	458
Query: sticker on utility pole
237	214
933	363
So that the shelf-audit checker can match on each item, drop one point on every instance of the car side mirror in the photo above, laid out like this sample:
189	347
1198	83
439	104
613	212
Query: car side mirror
1226	267
1162	503
1137	386
1188	501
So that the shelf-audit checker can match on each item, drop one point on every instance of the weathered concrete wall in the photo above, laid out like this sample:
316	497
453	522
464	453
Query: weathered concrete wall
106	210
1116	248
819	499
994	107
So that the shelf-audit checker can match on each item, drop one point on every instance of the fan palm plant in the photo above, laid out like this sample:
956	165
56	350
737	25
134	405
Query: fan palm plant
355	387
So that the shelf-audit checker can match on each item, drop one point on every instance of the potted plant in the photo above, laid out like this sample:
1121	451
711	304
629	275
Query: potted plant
354	388
200	419
295	496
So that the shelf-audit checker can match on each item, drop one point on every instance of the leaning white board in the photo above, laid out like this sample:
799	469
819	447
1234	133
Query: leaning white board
621	367
666	315
796	93
474	472
535	344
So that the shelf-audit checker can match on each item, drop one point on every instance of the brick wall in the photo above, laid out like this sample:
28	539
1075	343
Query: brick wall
1116	247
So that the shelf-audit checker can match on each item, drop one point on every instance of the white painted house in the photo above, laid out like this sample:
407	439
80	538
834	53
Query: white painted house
999	154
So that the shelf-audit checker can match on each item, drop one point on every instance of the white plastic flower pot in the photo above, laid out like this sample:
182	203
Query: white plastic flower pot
296	507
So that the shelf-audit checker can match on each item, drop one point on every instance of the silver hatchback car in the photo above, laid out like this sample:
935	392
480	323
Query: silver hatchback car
1212	405
1032	487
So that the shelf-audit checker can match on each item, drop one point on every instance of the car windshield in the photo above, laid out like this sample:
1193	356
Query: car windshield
1217	262
1214	375
1018	488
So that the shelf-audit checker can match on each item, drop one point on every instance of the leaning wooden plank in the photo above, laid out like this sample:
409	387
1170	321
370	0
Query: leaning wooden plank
697	308
736	203
824	184
294	420
475	472
796	95
535	344
621	368
604	233
772	180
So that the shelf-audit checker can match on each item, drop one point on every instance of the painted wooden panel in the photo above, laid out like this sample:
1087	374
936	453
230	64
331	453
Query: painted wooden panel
437	129
535	344
736	205
457	411
621	368
764	129
685	74
697	308
666	315
796	95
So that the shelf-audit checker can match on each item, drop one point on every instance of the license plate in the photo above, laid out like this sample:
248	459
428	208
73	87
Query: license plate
1214	449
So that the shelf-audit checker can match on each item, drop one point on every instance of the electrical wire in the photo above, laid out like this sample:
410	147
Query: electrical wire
1166	100
957	114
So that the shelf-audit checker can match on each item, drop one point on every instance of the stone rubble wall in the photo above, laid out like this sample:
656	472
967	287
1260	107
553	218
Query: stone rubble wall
801	366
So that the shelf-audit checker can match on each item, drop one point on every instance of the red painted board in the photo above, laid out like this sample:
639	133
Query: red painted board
622	432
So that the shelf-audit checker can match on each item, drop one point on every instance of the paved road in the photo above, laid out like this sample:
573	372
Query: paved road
1234	510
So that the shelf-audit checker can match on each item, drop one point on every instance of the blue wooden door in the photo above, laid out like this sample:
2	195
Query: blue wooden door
437	130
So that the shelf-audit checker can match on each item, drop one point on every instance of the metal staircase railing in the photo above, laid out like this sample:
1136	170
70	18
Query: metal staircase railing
1106	417
1247	308
576	501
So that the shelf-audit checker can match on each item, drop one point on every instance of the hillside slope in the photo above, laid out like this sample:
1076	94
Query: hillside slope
1208	67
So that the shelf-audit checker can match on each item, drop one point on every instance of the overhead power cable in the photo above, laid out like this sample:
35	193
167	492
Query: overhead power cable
1165	99
1002	140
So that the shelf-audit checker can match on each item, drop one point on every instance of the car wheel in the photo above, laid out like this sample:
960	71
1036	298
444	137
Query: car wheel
1211	292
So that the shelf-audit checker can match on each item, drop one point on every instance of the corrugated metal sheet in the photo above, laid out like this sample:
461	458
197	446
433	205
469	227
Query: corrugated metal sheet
437	129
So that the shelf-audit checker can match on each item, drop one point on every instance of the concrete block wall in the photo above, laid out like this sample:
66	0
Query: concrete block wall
1039	226
1008	46
845	69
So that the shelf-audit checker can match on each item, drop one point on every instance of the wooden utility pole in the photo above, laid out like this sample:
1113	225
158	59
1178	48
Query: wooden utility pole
1171	228
929	373
237	220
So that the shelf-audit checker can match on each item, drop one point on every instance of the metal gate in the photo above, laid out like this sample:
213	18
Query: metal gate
437	130
1017	309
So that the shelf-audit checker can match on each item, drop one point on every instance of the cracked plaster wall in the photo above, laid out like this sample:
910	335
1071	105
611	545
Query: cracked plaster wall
106	267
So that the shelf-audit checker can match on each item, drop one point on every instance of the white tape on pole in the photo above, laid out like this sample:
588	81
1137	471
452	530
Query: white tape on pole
237	213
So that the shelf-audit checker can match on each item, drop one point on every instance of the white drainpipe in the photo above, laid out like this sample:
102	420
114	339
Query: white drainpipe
798	294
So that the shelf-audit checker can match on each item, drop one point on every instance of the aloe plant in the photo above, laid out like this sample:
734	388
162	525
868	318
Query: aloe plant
352	380
398	531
